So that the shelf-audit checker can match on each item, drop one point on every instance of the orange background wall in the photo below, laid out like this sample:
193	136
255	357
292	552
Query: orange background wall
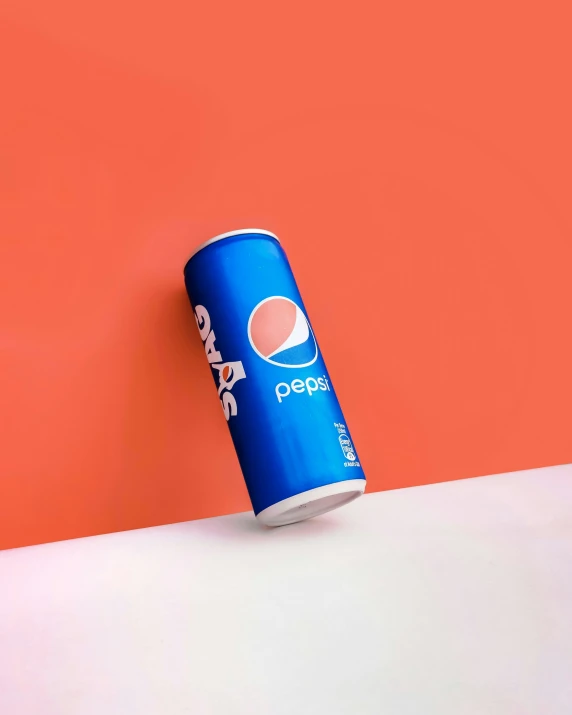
415	158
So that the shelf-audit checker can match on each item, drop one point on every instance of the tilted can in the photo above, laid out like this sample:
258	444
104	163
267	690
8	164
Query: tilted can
293	444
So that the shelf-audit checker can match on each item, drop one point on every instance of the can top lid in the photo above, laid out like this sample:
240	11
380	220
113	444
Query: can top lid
230	234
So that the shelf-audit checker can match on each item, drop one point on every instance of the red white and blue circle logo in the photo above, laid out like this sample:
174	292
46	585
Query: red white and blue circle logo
280	333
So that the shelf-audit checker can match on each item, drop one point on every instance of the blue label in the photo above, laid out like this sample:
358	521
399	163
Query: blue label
276	394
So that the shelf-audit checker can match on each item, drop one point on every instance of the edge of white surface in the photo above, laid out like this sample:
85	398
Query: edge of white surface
376	609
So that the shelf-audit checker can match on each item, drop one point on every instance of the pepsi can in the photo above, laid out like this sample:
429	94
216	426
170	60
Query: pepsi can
293	443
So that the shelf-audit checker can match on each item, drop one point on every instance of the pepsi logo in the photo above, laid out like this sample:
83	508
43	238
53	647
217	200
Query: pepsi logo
280	333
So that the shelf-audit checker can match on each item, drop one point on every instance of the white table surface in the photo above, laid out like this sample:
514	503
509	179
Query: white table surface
453	599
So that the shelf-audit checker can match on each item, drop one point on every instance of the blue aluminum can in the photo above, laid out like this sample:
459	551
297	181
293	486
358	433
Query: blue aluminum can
292	441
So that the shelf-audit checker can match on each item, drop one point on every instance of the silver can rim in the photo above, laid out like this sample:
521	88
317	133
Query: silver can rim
230	234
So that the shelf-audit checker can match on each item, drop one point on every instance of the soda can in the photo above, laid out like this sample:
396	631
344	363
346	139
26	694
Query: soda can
293	443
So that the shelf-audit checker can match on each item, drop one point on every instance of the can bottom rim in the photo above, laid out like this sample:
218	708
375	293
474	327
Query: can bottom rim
312	503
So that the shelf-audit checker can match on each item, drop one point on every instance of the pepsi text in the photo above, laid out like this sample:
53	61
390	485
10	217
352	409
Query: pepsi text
310	385
228	372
